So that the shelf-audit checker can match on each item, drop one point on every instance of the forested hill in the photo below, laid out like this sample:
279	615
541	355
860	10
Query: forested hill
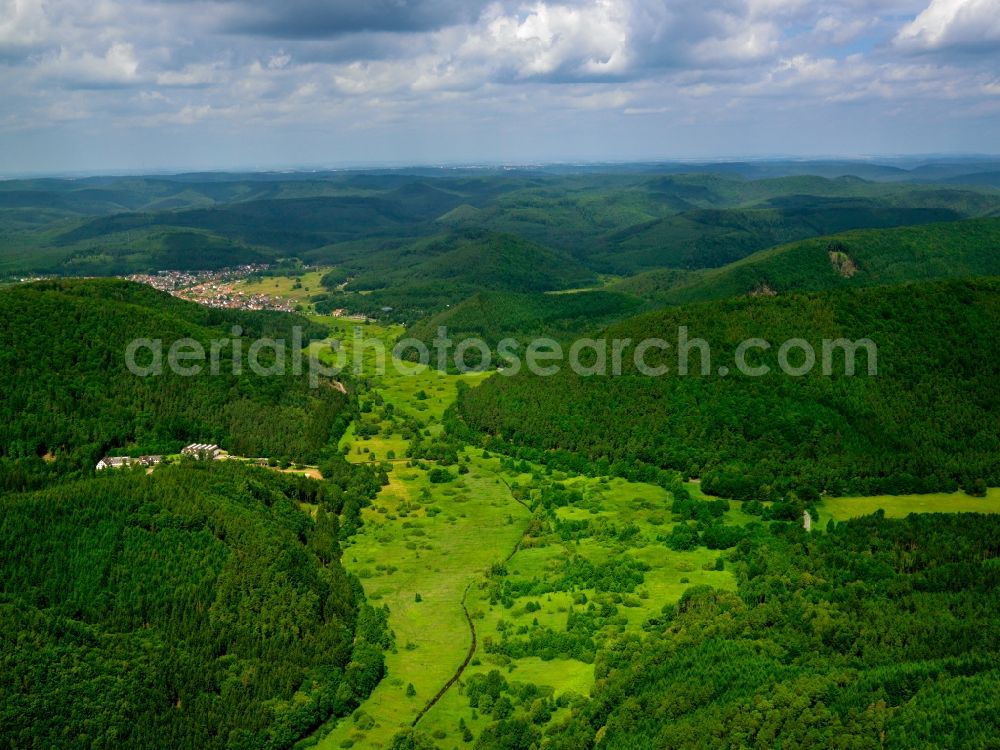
864	257
927	421
197	607
493	316
69	397
473	259
410	280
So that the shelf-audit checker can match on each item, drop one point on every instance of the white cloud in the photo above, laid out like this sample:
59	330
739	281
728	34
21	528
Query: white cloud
116	66
746	43
277	62
22	23
688	34
550	39
953	23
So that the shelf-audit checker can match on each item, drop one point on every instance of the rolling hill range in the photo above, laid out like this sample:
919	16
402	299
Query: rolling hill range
70	397
866	257
869	257
708	238
618	221
704	221
291	224
926	421
58	226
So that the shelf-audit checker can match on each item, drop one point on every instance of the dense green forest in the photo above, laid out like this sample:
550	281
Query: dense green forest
204	604
926	421
196	607
864	257
876	634
184	250
70	399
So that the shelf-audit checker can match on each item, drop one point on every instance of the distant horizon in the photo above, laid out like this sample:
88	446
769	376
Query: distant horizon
896	160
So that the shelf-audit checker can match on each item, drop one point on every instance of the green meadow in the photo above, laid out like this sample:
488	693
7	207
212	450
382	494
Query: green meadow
298	288
900	506
420	540
404	553
425	548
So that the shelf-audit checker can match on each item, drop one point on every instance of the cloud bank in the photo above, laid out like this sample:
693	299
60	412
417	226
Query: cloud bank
147	83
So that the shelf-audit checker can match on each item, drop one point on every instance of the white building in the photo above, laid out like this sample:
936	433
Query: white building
201	451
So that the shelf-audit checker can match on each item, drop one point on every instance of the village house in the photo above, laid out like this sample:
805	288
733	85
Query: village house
113	462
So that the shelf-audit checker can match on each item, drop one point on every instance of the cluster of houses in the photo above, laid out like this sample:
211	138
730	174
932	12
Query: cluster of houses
197	451
214	288
226	296
171	281
121	462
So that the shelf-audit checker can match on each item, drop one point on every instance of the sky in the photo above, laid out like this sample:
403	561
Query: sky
144	85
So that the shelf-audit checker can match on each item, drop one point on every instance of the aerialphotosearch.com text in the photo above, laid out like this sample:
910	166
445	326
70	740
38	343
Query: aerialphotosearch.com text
682	355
